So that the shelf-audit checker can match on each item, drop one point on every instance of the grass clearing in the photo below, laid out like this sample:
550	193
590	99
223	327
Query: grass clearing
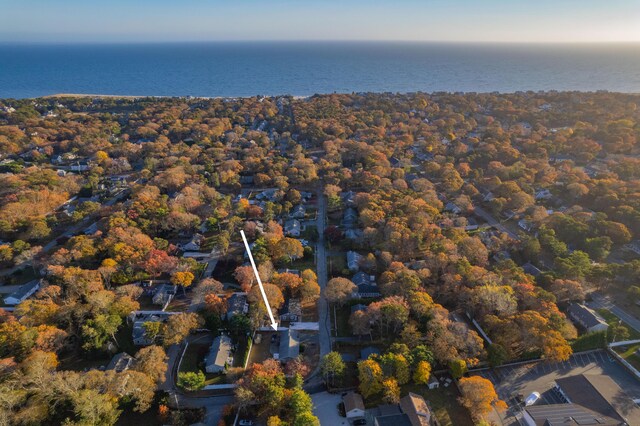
612	320
630	354
444	402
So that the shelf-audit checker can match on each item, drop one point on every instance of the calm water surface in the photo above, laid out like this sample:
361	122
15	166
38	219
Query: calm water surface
305	68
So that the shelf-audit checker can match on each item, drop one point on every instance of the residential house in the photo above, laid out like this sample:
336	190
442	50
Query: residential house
353	261
23	293
599	393
163	294
289	345
267	195
353	407
389	415
138	318
526	225
292	228
350	217
412	411
349	198
366	286
564	414
193	244
453	208
219	356
531	269
586	317
237	305
120	362
298	212
633	246
80	166
362	278
543	194
353	234
414	406
291	310
471	225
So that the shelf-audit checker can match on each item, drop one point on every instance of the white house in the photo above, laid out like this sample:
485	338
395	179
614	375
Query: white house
219	356
353	260
587	318
353	407
23	293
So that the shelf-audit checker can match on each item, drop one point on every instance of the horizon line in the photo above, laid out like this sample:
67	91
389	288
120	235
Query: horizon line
195	41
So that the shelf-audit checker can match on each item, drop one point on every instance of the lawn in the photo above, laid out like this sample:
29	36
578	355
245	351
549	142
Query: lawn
630	354
125	339
613	320
336	265
194	357
301	264
340	320
444	402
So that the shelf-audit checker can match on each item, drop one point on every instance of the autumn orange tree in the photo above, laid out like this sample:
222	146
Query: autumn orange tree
479	396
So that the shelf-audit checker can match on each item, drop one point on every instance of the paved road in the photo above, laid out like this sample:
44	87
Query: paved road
599	302
493	221
321	266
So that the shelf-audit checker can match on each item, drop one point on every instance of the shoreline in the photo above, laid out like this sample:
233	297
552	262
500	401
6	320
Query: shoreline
87	95
301	97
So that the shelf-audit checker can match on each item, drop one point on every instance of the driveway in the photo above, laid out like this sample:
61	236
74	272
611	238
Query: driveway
325	407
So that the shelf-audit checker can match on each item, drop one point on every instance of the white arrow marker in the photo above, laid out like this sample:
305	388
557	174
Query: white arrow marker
274	325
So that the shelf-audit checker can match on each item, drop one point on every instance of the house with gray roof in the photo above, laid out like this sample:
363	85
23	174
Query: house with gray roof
219	357
587	318
23	293
237	305
120	362
289	345
292	228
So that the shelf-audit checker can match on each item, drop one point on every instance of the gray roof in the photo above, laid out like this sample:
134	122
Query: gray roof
353	401
25	289
586	316
289	345
219	352
567	414
120	362
393	420
236	303
600	394
361	278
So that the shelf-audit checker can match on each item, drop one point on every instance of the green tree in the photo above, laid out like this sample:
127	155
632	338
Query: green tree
458	367
332	367
190	380
96	332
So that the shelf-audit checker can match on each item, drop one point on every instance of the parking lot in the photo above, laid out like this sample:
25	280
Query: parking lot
521	380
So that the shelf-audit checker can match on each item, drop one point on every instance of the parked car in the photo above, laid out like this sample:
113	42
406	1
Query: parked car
245	422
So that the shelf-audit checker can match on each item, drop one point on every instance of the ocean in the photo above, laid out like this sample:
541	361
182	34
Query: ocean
229	69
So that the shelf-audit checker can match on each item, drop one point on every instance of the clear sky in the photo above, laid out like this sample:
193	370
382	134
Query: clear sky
428	20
